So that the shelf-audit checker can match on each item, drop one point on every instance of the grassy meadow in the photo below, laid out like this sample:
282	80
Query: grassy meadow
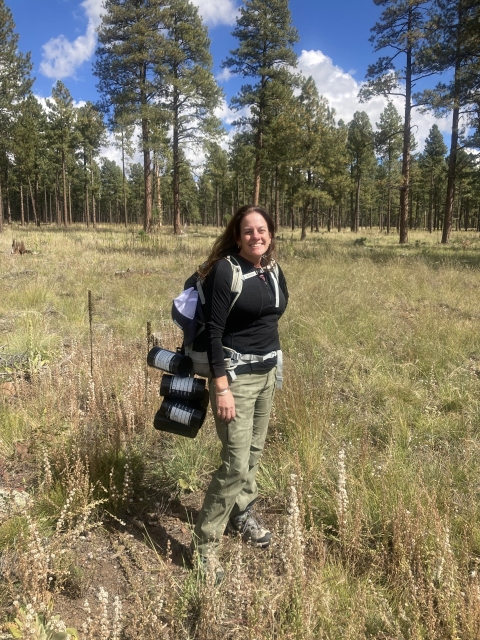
370	478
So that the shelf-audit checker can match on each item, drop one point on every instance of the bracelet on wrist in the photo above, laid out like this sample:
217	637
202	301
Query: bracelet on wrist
222	392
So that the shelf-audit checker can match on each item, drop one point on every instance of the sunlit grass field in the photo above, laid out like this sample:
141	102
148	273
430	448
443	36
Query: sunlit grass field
370	477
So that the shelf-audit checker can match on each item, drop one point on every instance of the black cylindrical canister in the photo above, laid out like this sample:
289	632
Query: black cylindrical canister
170	361
182	413
162	423
183	388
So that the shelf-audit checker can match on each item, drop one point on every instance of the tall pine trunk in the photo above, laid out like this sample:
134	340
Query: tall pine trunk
304	220
277	212
1	208
94	215
405	189
124	182
430	205
159	195
356	220
64	188
22	210
452	165
34	204
147	162
176	167
147	177
257	168
259	143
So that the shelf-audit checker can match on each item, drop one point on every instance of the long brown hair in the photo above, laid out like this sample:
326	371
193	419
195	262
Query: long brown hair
226	244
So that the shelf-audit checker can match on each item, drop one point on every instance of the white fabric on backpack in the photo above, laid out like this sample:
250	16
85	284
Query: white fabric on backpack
184	308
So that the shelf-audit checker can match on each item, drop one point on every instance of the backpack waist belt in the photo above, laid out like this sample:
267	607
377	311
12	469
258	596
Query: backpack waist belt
234	359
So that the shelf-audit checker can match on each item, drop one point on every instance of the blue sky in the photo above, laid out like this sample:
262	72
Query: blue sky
333	48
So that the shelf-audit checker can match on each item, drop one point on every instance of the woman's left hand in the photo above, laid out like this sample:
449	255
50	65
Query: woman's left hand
224	399
226	407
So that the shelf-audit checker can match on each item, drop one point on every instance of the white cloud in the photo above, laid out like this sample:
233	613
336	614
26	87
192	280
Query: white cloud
228	115
111	151
61	57
215	12
46	108
224	75
341	90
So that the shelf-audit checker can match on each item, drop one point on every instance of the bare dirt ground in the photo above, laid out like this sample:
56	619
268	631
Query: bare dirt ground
128	559
118	557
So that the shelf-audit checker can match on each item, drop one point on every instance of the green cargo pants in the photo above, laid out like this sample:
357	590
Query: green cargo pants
233	486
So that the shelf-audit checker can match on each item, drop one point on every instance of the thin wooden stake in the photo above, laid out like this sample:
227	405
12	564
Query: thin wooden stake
149	342
90	320
149	335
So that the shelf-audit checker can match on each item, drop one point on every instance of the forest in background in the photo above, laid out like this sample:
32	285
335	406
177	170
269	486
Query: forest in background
289	152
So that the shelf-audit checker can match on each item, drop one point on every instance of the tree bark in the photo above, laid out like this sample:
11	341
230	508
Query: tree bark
452	165
147	177
430	204
304	219
64	187
34	204
257	168
405	188
159	195
124	182
356	221
176	169
277	213
22	210
1	208
7	195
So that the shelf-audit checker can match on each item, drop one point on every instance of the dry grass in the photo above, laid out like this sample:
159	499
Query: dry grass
370	477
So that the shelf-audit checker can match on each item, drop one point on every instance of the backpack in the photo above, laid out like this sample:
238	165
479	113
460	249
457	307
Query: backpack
188	314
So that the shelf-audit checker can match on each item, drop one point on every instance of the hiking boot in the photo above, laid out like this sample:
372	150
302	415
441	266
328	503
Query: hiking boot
208	567
250	528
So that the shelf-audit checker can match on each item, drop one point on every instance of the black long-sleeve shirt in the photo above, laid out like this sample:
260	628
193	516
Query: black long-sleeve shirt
252	324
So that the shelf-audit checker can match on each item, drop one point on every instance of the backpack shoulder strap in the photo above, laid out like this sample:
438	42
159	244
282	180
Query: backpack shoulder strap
237	280
274	272
201	295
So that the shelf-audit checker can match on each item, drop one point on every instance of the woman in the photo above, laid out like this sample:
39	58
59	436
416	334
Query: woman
241	398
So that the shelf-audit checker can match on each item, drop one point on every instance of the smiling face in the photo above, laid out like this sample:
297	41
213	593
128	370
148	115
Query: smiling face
254	237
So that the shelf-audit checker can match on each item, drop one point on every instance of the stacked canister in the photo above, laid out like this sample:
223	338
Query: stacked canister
185	399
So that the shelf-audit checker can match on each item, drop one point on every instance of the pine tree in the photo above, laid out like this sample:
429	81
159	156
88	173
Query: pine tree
337	180
388	142
433	165
216	169
91	136
399	30
265	54
136	191
111	178
360	144
310	145
123	129
191	93
29	147
453	44
241	163
282	145
15	83
131	45
62	133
